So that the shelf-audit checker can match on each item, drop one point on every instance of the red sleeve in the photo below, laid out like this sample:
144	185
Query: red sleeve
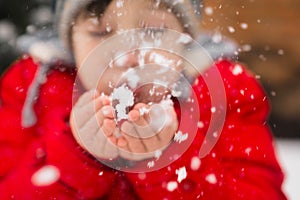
13	87
244	159
242	164
48	145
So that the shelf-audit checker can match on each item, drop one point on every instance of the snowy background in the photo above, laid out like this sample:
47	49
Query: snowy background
288	154
267	32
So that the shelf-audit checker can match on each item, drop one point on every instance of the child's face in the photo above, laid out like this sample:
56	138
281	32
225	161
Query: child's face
91	29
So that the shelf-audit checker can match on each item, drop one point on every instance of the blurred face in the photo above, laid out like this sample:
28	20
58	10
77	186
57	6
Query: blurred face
98	24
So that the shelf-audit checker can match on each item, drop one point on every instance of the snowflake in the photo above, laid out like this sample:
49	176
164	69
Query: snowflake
150	164
179	137
237	70
45	176
211	178
182	174
143	110
171	186
195	163
157	154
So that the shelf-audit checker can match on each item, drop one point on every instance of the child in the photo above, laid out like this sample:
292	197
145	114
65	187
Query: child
57	150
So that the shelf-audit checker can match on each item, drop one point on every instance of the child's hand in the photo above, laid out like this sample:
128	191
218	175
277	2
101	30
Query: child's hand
93	126
148	131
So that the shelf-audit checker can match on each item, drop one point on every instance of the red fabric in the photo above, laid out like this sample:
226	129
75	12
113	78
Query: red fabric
242	165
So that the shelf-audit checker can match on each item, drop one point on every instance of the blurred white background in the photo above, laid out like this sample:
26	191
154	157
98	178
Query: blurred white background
288	151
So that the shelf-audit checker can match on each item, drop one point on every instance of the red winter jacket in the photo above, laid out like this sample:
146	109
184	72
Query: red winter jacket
45	162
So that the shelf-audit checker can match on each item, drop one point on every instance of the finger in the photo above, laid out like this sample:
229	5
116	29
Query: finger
122	142
84	113
157	118
113	140
167	128
108	127
164	137
103	100
129	129
105	113
152	144
161	140
135	144
108	111
138	116
144	131
133	115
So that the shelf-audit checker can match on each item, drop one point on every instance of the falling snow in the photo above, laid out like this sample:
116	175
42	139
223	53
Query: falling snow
176	93
45	176
157	154
179	137
200	124
172	185
182	174
213	109
150	164
237	70
231	29
242	92
195	163
184	39
246	47
208	10
280	52
215	134
244	26
262	57
211	178
119	3
175	2
108	28
248	150
142	176
144	110
217	37
273	93
257	76
160	59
